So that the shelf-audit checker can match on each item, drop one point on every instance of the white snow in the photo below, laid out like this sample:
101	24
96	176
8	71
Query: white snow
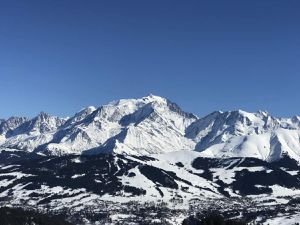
284	220
153	125
77	175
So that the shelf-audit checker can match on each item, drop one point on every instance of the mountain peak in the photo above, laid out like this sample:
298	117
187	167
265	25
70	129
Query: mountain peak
87	108
152	98
43	115
263	113
11	123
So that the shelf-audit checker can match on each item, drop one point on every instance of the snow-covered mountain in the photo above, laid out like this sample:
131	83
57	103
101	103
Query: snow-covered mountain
244	165
243	134
6	126
28	134
152	125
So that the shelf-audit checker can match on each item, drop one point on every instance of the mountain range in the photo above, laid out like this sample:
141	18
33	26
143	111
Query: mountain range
154	125
146	161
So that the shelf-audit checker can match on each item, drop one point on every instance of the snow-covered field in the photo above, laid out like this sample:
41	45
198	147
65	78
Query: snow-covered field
182	181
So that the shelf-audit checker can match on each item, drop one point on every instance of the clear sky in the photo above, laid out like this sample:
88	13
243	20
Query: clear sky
62	55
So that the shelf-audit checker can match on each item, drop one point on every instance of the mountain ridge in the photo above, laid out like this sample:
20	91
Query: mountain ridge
154	125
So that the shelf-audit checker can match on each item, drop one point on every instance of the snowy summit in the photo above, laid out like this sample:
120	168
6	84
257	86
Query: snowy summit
152	125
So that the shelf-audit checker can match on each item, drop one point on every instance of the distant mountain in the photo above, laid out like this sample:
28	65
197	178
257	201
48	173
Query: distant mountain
28	134
243	134
11	124
159	164
152	125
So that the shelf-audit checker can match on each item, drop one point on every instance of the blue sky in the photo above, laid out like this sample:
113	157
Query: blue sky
59	56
